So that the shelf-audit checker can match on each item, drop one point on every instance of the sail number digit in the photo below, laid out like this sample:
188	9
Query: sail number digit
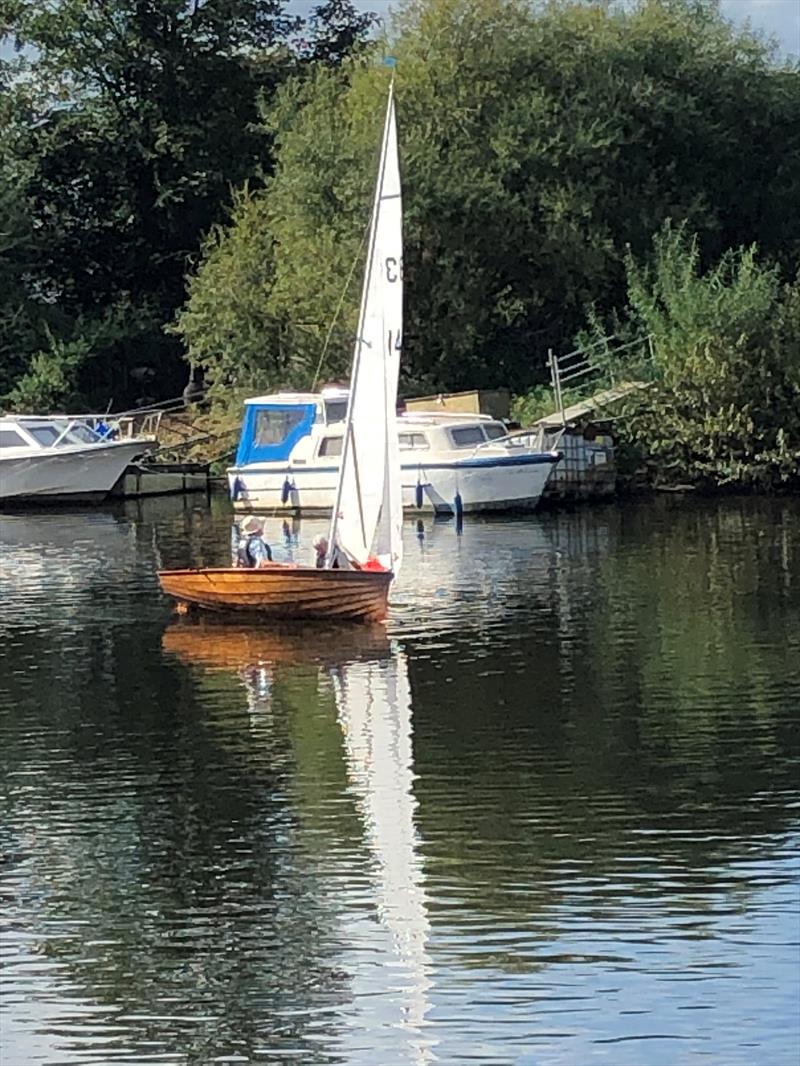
394	269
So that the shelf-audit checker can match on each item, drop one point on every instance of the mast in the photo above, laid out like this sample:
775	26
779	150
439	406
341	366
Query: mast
348	429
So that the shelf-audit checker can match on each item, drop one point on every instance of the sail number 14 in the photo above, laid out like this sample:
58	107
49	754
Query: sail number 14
394	272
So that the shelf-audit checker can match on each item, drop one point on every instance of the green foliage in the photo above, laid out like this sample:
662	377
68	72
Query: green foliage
532	405
539	402
51	381
130	126
19	332
538	142
725	407
72	360
232	336
262	306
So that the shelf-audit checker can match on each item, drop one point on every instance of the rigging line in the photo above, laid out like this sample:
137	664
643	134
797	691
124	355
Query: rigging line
326	342
357	258
358	494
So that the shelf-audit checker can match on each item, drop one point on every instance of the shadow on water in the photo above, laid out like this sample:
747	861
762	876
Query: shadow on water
549	814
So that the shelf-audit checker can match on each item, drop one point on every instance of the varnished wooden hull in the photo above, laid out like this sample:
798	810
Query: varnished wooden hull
220	645
283	591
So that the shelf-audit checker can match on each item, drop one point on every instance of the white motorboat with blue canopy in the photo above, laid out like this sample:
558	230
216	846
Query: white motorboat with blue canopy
291	445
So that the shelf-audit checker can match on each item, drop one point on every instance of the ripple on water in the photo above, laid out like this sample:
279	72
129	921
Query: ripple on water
550	817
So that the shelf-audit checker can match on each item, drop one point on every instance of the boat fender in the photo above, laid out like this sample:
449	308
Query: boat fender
373	564
418	494
286	490
458	506
237	488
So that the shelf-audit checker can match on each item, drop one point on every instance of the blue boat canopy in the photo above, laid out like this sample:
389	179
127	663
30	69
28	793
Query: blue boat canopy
270	431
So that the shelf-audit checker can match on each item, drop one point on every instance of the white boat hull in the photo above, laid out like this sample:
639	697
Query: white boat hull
484	484
71	474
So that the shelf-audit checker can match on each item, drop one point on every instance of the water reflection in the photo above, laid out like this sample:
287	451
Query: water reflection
374	709
227	843
253	652
369	678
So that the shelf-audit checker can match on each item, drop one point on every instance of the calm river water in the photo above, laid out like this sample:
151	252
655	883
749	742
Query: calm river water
548	815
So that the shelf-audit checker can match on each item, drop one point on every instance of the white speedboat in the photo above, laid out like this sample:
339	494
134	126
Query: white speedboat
59	459
291	443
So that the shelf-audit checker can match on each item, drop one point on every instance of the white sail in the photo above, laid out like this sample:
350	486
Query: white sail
367	519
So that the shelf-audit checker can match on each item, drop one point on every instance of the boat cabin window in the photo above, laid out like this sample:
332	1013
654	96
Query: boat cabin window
412	441
330	446
465	436
495	430
9	438
335	411
274	424
49	433
46	434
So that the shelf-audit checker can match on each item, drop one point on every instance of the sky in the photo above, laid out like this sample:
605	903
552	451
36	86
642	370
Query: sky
780	18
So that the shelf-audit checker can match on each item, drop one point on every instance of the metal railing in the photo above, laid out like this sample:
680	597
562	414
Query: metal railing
129	425
598	366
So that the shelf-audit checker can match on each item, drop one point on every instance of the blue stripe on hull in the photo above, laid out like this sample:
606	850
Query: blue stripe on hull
458	464
488	463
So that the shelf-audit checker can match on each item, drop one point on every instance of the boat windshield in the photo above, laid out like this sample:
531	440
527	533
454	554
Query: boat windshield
81	432
495	430
49	434
274	424
270	431
466	436
335	410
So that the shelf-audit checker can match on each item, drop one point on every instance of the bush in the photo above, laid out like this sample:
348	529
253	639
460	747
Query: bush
51	380
725	405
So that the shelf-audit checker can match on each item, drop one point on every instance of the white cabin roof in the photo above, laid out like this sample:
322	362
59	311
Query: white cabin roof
285	397
442	418
288	397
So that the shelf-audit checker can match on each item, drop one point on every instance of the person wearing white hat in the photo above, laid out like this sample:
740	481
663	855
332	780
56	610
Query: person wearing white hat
253	550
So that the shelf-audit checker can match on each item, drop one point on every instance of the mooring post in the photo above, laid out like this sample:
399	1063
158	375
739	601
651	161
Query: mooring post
552	361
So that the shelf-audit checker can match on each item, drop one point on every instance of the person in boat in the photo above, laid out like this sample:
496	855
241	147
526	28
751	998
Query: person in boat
253	551
339	560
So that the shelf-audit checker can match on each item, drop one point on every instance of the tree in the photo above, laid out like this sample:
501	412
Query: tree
538	142
139	117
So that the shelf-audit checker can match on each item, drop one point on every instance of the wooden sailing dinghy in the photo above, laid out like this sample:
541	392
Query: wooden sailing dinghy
283	591
367	520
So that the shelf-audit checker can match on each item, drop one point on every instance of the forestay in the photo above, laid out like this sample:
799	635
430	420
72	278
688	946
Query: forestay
367	519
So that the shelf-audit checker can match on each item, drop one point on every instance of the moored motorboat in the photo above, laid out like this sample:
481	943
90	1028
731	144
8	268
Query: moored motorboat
60	459
291	443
